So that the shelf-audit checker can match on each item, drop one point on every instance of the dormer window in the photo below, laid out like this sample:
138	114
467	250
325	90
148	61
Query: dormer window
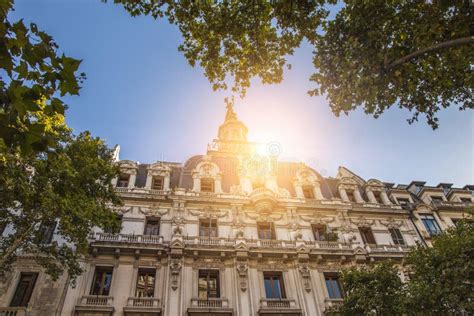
436	198
123	180
350	195
466	200
377	196
157	183
308	191
207	185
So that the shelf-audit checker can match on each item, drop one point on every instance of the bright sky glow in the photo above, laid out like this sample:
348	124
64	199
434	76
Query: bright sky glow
142	94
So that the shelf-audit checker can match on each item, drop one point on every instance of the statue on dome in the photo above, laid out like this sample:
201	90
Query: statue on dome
230	114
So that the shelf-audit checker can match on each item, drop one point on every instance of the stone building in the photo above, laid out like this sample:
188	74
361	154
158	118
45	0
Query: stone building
232	232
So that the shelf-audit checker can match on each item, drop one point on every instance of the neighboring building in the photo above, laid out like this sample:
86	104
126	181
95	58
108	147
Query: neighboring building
235	233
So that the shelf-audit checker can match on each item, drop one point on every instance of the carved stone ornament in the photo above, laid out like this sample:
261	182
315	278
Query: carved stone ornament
306	276
264	217
242	269
316	219
237	190
208	212
179	223
362	221
391	223
175	269
153	211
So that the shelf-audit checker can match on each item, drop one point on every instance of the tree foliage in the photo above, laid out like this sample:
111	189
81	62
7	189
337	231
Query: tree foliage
440	280
34	78
70	186
413	54
48	176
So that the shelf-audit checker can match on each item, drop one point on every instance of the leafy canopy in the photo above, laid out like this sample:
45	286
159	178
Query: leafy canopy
413	54
34	78
440	280
48	176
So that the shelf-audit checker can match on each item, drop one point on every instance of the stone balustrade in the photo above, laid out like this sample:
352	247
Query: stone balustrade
96	300
149	302
13	311
128	238
209	303
277	303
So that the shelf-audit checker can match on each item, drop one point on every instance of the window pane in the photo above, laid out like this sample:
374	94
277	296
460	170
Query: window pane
24	289
145	283
152	227
332	285
102	281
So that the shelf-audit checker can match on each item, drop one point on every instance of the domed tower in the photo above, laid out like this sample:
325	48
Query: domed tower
232	136
232	130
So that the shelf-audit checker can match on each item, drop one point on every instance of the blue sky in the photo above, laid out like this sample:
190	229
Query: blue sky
141	93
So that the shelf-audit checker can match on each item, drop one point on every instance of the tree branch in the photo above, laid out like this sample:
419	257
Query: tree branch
447	44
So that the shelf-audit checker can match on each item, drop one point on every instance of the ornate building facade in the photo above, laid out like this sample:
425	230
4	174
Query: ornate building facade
232	232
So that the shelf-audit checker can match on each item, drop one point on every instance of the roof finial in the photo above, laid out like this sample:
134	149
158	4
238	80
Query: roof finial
230	114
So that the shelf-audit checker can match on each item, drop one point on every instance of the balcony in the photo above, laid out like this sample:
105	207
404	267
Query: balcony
272	243
387	250
140	306
328	245
128	238
332	303
209	241
279	306
13	311
210	306
94	304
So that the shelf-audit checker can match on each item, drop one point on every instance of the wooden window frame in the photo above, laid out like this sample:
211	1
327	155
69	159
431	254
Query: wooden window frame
208	187
367	230
397	236
316	232
152	219
430	218
157	183
122	182
209	274
274	276
147	272
271	229
308	191
208	225
103	270
21	299
331	279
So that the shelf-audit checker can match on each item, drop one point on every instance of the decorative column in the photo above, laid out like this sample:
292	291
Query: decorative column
343	194
385	198
132	179
196	182
370	195
317	191
218	184
166	182
358	198
299	191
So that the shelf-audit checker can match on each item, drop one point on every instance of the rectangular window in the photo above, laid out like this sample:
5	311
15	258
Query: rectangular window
332	285
123	180
102	281
152	226
274	287
157	183
145	283
208	227
319	232
430	224
308	191
46	232
208	284
24	289
367	235
466	200
266	231
207	185
350	195
397	236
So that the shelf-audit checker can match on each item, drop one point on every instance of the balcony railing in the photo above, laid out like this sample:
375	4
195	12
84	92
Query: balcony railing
146	302
217	303
96	300
13	311
328	245
129	238
277	303
275	243
373	248
209	241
